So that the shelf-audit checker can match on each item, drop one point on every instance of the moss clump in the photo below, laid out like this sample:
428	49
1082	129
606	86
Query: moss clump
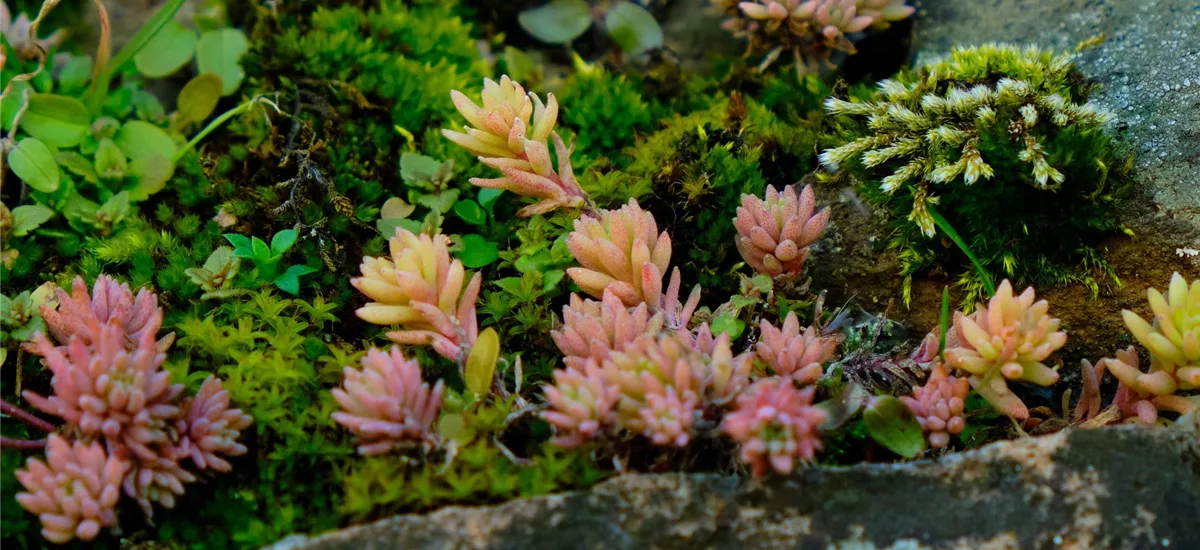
1001	142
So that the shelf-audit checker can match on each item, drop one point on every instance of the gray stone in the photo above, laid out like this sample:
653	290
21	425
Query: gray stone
1114	488
1149	69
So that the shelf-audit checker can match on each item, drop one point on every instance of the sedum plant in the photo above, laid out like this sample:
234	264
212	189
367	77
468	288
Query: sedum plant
998	141
938	406
622	251
1174	344
1007	339
509	134
797	356
777	426
386	404
810	30
421	289
111	390
774	234
75	491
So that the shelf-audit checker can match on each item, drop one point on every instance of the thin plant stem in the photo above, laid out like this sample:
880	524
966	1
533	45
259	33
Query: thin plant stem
22	444
962	245
217	122
24	416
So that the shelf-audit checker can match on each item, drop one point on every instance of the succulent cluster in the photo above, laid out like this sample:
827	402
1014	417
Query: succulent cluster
1007	339
777	426
112	390
1174	344
968	136
421	289
938	406
509	133
593	329
386	404
621	251
798	356
109	301
658	386
810	29
774	233
75	491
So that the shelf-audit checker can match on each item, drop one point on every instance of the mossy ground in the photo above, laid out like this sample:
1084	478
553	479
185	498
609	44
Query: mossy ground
360	85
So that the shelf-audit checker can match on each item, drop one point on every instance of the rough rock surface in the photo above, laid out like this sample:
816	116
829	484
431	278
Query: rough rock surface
1148	67
1115	488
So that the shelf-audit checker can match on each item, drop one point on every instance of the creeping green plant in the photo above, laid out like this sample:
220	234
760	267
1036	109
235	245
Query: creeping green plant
266	259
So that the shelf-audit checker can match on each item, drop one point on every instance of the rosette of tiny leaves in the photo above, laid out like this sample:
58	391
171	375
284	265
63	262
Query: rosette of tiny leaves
581	403
1174	343
1137	398
421	289
109	301
387	404
938	406
75	492
810	29
797	356
622	251
1007	339
211	428
105	390
592	329
1002	142
776	425
509	133
774	234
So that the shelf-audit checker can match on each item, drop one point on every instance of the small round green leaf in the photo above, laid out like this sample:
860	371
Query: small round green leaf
470	212
11	103
57	120
33	162
396	208
283	240
29	217
633	28
110	161
199	97
76	72
140	139
892	424
220	52
477	251
167	51
557	22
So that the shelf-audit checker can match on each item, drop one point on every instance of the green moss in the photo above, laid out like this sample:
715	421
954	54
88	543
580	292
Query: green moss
1001	142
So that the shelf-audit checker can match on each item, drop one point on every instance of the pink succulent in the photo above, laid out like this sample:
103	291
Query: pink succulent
421	289
73	493
1006	340
677	315
838	17
592	329
884	12
387	404
774	234
109	301
667	416
106	390
621	250
777	426
499	133
778	10
211	429
1136	399
676	374
792	354
581	404
158	480
938	406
